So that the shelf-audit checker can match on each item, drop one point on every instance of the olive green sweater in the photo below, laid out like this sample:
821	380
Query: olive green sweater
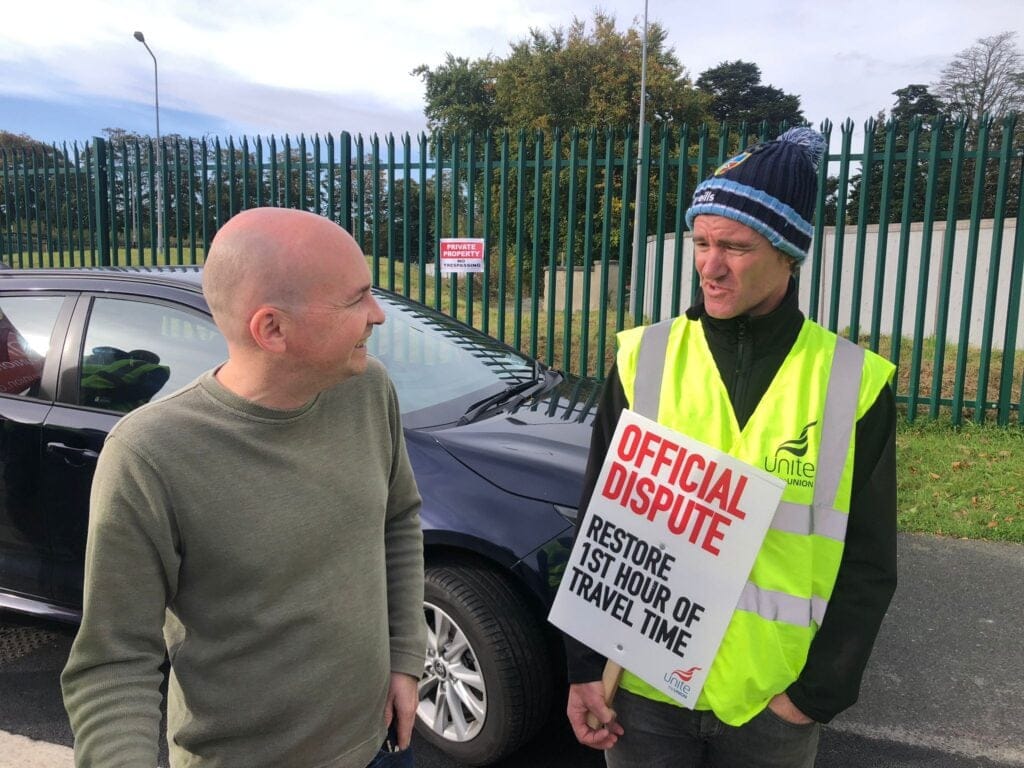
277	554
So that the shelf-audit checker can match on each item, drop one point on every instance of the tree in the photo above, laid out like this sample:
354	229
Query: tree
134	181
914	103
587	75
916	100
34	190
987	78
738	95
459	95
590	77
22	142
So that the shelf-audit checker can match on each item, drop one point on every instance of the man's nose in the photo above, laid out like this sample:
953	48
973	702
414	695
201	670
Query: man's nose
376	316
713	263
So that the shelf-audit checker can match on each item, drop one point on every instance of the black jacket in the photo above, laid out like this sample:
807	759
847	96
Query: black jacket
748	352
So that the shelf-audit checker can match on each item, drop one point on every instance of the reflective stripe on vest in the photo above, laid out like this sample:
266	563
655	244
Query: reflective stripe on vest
778	606
820	517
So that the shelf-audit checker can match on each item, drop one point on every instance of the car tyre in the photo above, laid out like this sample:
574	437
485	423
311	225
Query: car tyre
487	684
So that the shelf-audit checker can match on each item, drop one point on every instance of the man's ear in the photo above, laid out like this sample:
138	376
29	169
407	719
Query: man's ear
267	328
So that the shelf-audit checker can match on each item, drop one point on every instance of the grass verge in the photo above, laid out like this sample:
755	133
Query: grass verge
966	482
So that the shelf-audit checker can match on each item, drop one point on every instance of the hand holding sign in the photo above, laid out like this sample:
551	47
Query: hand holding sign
593	722
609	685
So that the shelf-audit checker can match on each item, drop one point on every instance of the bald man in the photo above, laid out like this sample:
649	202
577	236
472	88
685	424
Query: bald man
260	526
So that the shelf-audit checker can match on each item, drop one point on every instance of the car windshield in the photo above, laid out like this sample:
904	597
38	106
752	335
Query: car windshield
441	367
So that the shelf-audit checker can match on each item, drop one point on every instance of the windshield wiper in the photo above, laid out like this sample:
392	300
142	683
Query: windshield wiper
541	381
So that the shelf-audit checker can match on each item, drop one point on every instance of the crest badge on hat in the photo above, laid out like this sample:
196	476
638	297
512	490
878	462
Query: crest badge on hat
731	163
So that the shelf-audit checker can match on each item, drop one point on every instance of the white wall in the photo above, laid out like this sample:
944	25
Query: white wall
978	299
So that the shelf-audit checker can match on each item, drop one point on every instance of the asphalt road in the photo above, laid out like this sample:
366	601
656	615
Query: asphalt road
945	687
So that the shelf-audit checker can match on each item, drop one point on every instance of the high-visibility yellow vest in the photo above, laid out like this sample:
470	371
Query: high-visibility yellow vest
802	431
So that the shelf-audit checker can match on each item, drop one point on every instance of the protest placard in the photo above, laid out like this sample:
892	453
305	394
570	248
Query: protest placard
462	254
670	535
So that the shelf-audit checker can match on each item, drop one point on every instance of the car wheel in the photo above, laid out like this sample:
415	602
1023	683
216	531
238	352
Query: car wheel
487	680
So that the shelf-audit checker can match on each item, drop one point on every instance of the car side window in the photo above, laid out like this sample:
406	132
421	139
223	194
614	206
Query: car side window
135	351
26	324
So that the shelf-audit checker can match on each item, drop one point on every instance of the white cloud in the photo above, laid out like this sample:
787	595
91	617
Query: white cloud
263	64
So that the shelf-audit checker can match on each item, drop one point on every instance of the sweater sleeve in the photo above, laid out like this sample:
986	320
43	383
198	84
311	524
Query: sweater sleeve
403	543
111	683
830	680
583	664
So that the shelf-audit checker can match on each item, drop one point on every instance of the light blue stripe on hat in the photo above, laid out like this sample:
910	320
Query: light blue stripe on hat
773	236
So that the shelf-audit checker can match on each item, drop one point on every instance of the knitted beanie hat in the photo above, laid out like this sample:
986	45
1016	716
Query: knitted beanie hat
770	188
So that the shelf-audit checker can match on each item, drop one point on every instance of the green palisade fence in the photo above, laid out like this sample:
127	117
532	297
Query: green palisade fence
918	250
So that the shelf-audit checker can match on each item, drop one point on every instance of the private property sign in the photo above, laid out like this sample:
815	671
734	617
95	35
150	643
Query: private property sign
462	254
669	538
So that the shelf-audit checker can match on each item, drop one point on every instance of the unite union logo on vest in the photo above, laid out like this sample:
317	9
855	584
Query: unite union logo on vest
788	460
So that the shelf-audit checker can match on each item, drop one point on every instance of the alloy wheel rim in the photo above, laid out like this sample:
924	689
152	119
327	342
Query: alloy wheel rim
452	693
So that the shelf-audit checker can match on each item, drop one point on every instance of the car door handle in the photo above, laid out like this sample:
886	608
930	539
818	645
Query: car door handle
72	454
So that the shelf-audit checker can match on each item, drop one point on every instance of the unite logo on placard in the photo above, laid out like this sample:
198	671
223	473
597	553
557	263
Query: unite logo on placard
678	680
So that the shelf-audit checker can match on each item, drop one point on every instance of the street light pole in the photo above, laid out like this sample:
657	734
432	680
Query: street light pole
635	271
159	151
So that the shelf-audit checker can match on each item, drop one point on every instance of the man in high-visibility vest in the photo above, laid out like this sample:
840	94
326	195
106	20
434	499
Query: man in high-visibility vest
744	371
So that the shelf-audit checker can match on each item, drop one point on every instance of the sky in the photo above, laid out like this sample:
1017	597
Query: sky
71	68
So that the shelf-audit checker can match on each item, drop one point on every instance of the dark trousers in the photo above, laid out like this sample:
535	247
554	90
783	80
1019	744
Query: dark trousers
659	735
386	758
401	759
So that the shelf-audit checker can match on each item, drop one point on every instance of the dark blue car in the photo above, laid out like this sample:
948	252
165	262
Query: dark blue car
497	441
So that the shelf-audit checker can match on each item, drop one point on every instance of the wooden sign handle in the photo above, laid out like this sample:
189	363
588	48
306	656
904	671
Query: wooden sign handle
610	679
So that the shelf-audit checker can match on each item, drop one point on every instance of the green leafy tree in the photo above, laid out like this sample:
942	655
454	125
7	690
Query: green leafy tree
136	160
391	218
916	100
131	186
737	95
589	76
22	142
585	75
459	95
914	105
35	197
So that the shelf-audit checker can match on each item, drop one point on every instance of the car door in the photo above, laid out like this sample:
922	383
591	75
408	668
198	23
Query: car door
32	327
122	352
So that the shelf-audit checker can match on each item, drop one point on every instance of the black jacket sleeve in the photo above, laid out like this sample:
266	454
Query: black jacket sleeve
830	680
585	665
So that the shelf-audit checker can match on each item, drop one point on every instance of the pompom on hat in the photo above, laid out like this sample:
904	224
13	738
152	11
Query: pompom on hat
770	188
